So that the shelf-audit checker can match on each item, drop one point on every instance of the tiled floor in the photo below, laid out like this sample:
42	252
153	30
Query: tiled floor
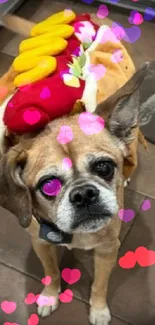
131	293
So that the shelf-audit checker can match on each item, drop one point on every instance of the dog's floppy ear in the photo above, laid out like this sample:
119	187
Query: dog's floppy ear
122	110
14	195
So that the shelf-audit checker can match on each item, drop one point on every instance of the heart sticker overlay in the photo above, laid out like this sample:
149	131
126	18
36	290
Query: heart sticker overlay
47	280
3	1
66	296
45	301
8	306
30	299
126	215
128	261
31	117
67	164
33	320
65	135
102	11
89	2
149	14
135	18
3	92
144	256
90	124
146	205
51	188
130	35
117	56
71	275
45	93
97	70
8	323
10	105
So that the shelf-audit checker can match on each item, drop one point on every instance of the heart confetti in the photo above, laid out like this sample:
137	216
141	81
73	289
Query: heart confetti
97	70
90	124
126	215
67	164
31	117
47	280
45	301
71	276
66	296
102	11
117	56
146	205
8	306
30	299
149	14
65	135
128	261
33	320
45	93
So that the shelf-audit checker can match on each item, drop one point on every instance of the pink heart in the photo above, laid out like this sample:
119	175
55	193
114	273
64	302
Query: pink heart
90	124
10	105
67	163
138	19
31	117
65	135
8	307
66	296
30	299
71	276
33	320
45	93
98	71
7	323
146	205
44	300
126	215
102	11
47	280
117	56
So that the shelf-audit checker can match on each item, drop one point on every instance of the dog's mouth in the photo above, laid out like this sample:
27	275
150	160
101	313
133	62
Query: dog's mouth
91	223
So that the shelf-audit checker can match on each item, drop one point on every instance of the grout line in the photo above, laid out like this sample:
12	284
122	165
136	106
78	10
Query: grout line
19	271
141	193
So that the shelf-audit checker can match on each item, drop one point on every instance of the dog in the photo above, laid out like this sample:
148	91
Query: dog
84	214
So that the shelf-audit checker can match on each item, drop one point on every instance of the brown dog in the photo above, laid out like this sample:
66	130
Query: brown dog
85	211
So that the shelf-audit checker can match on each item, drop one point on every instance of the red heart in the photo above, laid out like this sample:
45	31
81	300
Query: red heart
47	280
8	307
128	261
71	276
66	296
144	256
33	320
8	323
30	299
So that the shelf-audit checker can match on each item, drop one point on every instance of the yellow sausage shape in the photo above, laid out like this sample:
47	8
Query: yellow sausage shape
64	31
45	66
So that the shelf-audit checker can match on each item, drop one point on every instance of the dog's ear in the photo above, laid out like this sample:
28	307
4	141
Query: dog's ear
122	111
14	194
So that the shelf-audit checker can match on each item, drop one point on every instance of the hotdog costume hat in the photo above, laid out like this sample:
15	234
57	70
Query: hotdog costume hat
68	64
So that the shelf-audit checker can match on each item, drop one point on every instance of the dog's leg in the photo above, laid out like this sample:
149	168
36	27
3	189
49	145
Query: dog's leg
104	263
48	257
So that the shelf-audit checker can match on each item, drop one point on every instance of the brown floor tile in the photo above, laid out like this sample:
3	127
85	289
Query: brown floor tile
143	179
5	62
83	260
16	249
132	291
15	287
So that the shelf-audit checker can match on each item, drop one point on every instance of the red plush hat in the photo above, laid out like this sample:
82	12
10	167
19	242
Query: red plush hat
35	104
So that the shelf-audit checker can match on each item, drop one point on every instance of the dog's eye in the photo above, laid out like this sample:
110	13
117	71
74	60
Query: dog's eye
105	169
50	187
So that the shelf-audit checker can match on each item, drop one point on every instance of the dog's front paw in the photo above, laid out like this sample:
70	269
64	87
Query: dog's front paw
99	316
47	303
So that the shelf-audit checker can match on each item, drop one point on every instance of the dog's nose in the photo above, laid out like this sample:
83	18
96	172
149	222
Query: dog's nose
84	195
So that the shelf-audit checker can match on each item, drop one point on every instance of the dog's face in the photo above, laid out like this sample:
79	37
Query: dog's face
83	198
